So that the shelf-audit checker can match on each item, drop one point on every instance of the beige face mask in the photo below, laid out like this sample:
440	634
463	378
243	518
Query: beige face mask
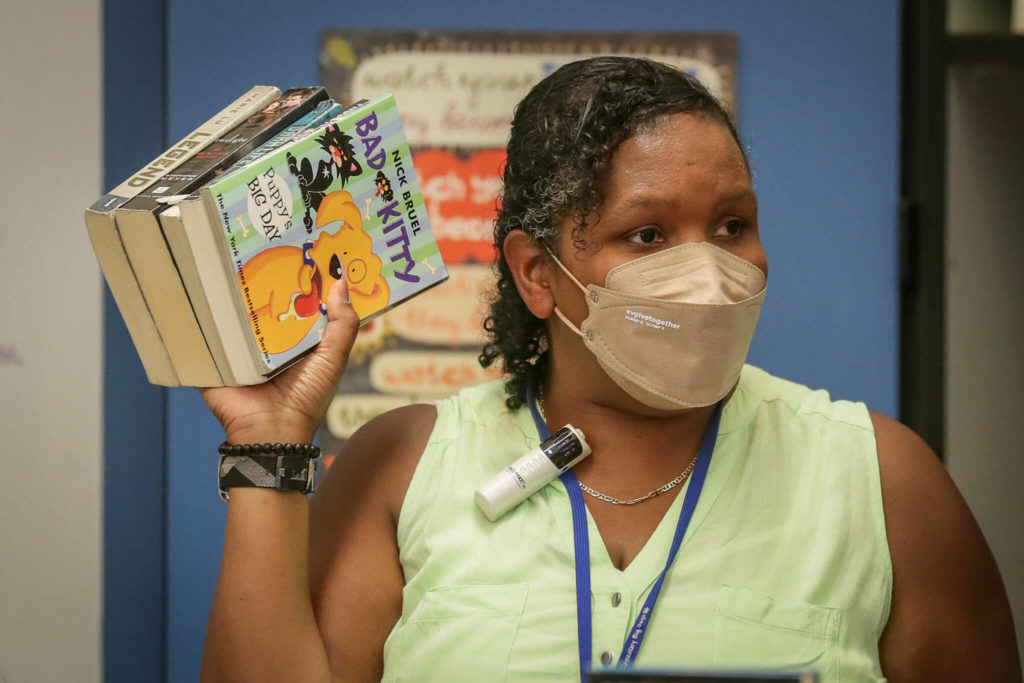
673	328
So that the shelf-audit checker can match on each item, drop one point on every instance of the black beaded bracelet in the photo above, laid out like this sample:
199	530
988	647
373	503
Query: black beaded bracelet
293	450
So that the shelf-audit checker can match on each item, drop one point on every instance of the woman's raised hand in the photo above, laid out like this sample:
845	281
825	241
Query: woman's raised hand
291	406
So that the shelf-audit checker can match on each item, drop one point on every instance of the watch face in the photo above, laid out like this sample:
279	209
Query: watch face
294	474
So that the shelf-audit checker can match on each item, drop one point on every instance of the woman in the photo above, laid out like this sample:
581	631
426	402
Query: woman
822	537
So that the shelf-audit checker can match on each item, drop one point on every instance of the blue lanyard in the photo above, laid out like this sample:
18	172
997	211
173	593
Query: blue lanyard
581	541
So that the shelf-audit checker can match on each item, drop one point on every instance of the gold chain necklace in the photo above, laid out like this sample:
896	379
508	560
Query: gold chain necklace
658	491
633	501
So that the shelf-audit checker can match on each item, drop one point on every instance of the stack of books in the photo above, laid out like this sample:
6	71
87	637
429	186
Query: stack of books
221	252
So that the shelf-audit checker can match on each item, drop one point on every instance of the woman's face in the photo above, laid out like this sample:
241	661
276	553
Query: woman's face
681	180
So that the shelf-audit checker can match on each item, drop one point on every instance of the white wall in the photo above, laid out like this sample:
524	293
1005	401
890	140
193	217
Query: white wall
50	343
985	309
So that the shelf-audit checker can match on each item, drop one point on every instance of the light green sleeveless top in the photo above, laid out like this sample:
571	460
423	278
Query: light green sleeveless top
785	563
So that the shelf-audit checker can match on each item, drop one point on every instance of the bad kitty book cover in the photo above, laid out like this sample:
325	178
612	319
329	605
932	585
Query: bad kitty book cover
340	202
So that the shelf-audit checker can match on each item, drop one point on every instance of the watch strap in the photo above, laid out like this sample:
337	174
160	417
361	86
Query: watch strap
281	472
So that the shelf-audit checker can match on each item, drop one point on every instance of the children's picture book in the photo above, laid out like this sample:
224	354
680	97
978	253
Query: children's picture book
270	238
109	250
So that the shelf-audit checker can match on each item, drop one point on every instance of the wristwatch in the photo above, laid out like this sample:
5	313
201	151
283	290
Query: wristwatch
281	472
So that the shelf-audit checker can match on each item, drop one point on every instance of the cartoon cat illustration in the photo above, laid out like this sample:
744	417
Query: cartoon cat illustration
342	165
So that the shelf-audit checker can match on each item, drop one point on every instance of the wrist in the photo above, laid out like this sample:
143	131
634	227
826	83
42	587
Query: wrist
269	436
276	431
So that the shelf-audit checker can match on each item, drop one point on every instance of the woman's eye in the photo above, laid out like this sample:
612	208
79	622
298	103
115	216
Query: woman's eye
644	236
730	228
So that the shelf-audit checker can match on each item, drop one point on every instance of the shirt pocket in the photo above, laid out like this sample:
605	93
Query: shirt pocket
754	630
458	633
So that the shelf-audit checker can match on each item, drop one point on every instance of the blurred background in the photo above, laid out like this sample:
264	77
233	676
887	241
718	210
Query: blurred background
886	143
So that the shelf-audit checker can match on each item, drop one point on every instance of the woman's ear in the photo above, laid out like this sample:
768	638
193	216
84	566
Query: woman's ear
530	268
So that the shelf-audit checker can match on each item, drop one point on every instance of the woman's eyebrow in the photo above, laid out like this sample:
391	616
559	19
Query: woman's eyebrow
643	200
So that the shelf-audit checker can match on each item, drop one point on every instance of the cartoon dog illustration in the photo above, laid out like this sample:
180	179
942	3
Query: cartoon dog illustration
288	285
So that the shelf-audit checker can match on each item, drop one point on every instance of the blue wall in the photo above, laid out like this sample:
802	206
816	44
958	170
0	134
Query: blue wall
134	488
819	109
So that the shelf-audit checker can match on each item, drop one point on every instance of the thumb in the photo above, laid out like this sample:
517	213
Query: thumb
342	326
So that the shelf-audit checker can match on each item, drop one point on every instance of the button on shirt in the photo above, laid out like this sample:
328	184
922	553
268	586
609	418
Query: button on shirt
619	594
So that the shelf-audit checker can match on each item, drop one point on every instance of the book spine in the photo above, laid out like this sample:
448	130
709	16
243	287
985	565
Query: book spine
323	111
230	147
226	119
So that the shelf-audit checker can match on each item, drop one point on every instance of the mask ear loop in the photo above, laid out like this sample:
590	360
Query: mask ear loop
565	270
568	323
558	312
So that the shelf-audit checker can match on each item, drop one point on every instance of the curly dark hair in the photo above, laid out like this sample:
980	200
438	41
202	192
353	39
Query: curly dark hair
564	134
